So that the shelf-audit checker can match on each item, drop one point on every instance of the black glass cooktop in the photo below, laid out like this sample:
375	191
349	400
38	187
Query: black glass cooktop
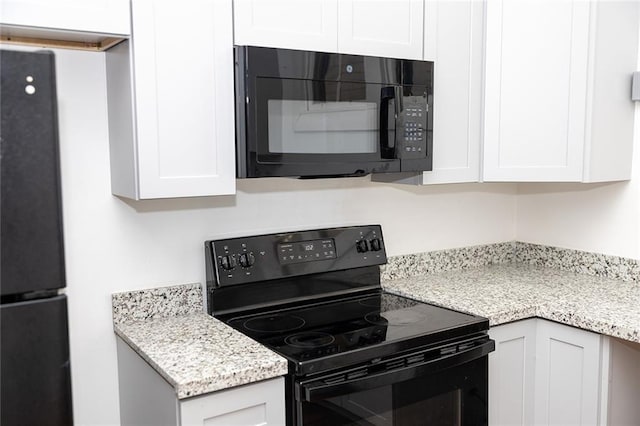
328	335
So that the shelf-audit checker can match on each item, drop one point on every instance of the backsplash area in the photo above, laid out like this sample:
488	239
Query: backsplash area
161	302
187	299
581	262
446	260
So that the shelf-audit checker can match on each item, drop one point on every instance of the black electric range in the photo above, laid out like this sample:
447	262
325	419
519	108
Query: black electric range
315	298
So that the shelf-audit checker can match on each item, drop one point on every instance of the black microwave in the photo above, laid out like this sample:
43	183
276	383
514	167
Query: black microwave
313	114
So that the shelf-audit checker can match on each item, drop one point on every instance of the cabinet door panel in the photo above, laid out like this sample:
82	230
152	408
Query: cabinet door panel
511	373
184	98
259	404
391	28
96	16
289	24
535	93
454	41
567	375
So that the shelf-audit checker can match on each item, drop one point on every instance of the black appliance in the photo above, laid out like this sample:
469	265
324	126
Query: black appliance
35	385
357	355
313	114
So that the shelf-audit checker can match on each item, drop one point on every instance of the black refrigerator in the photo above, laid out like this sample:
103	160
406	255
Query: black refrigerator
35	386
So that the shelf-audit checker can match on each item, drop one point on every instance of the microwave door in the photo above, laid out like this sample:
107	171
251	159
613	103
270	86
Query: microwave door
322	128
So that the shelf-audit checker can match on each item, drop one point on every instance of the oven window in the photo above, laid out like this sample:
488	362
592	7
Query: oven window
454	396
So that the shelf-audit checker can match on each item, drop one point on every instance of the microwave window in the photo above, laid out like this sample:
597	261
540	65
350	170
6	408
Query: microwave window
322	127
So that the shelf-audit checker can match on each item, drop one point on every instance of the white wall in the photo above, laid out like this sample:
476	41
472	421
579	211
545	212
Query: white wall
602	218
115	245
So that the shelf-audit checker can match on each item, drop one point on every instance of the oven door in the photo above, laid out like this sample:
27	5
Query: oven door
448	390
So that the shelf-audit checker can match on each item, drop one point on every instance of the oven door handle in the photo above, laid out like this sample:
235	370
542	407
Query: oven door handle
318	389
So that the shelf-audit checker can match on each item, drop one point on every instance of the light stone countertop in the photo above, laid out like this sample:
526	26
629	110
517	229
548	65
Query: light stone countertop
510	292
193	351
198	354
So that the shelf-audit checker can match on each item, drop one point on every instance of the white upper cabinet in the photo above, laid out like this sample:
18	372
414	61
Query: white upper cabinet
93	16
557	90
289	24
389	28
171	101
454	41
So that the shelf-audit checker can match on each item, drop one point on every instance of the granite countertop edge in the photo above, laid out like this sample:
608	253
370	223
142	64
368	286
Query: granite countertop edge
189	380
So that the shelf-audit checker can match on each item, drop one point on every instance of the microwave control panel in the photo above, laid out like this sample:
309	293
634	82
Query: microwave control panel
411	128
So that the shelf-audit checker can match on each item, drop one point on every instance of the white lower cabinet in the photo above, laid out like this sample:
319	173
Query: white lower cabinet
545	373
258	404
147	399
511	373
567	375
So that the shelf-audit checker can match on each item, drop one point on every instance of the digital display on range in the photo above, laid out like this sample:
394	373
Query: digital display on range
306	251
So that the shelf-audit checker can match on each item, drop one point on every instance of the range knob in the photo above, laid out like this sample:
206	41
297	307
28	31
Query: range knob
362	246
376	244
247	259
227	262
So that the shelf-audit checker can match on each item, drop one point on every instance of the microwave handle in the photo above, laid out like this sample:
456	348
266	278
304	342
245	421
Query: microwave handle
318	390
387	145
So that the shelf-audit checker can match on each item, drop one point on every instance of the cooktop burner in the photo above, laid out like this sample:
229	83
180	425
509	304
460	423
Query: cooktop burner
318	330
274	323
309	340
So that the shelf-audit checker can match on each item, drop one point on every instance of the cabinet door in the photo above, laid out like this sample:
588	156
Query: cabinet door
454	41
391	28
511	374
95	16
289	24
535	93
258	404
184	98
567	375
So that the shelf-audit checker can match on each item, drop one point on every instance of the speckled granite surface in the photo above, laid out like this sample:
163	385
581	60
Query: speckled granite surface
198	354
156	303
446	260
510	292
578	261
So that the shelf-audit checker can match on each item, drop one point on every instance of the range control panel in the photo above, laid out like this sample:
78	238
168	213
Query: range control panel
307	251
274	256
